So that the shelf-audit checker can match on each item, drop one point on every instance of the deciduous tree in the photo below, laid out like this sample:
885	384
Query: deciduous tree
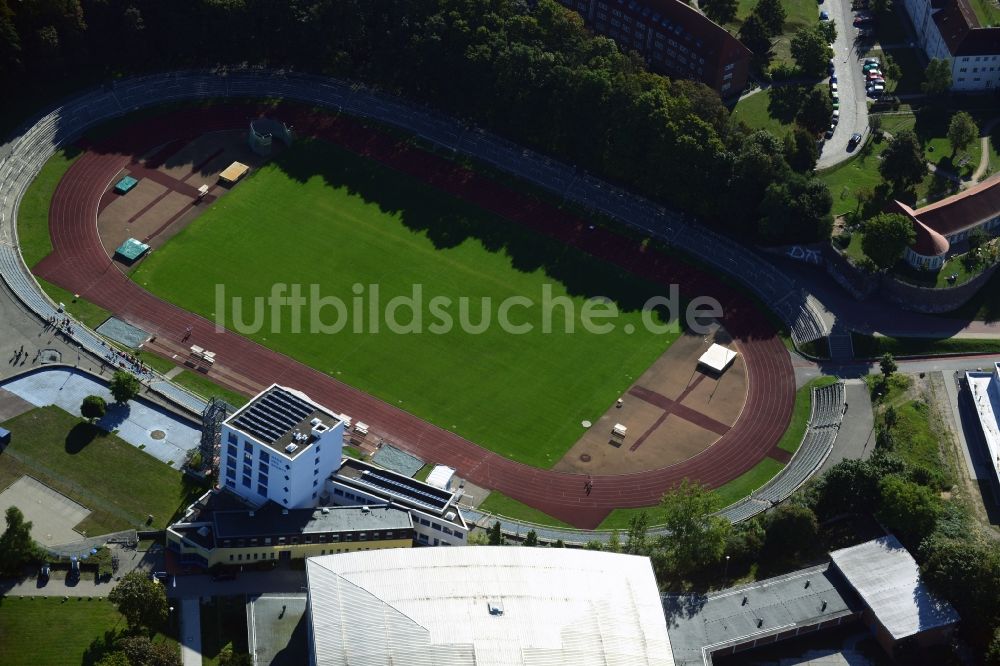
531	538
903	161
908	508
496	536
789	530
811	51
141	600
801	151
124	386
937	77
93	408
17	548
962	131
815	112
886	237
887	364
720	11
772	16
696	537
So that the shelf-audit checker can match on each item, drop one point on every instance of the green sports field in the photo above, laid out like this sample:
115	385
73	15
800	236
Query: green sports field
320	215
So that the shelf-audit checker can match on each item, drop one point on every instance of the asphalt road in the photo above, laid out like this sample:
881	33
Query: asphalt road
853	105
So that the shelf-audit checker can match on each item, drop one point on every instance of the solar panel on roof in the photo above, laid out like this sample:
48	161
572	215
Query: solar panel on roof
273	415
424	497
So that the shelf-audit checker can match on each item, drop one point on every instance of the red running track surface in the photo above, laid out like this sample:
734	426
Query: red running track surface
80	264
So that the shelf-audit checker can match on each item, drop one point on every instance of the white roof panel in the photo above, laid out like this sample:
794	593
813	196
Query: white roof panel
887	579
431	606
440	476
717	357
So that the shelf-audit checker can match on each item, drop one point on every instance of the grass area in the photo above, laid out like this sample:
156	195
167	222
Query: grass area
206	388
870	346
911	67
33	212
798	13
47	631
423	472
984	305
755	112
83	311
119	483
987	11
939	279
156	362
347	221
792	438
932	130
223	624
726	494
498	503
354	452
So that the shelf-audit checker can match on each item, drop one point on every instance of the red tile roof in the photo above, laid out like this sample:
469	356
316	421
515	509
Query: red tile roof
961	30
964	210
928	243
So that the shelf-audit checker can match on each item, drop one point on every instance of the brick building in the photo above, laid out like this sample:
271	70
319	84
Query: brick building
675	40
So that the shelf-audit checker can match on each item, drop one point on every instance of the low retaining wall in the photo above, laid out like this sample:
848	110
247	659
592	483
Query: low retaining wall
932	300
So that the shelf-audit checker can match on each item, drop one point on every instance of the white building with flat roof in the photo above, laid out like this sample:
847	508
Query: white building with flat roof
485	606
984	389
280	446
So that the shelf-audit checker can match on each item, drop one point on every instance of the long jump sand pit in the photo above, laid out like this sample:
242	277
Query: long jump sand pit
52	514
673	411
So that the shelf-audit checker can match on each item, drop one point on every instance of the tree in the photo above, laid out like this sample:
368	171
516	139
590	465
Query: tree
496	536
93	407
531	538
908	508
17	548
886	237
962	131
887	364
142	601
695	537
815	112
829	30
116	658
880	6
966	572
754	36
977	238
891	69
849	487
229	658
636	539
139	650
937	78
903	161
865	196
720	11
789	530
559	544
801	151
124	386
796	211
811	51
772	16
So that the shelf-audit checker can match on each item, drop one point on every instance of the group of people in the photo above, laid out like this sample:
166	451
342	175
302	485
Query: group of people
124	361
64	324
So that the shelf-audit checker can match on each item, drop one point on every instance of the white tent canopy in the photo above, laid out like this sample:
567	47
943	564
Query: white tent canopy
717	358
440	477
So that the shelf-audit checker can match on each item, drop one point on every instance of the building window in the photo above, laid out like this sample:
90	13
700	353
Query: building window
459	535
262	490
231	450
436	527
232	438
247	481
247	470
231	462
247	457
262	478
267	541
255	556
247	447
240	557
286	489
315	472
338	491
317	461
425	523
265	457
231	483
263	468
315	483
230	558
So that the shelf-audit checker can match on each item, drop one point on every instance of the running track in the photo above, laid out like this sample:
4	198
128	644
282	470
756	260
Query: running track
80	264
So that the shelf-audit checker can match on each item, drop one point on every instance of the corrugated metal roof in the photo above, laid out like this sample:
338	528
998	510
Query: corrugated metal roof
887	579
432	606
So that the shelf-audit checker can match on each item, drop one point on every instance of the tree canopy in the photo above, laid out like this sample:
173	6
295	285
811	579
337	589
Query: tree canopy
141	600
695	537
903	161
815	112
886	237
811	50
93	407
937	77
720	11
962	131
17	548
124	386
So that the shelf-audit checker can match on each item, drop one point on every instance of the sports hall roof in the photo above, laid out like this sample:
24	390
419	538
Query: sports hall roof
485	606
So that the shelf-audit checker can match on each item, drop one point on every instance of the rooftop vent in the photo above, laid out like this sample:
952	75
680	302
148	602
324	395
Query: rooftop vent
204	531
325	510
252	514
284	512
366	509
450	515
495	608
315	422
291	448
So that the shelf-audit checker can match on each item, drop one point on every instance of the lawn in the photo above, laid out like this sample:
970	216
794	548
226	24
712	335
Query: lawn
798	13
83	311
336	220
206	388
870	346
987	11
47	631
755	111
119	483
33	212
223	624
792	438
498	503
726	494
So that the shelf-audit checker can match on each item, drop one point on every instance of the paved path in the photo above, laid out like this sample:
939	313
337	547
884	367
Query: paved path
80	264
984	156
855	439
190	616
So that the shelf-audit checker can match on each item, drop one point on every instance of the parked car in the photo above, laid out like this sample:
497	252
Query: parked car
158	575
43	574
872	61
836	100
833	88
829	133
854	141
835	118
833	78
823	16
